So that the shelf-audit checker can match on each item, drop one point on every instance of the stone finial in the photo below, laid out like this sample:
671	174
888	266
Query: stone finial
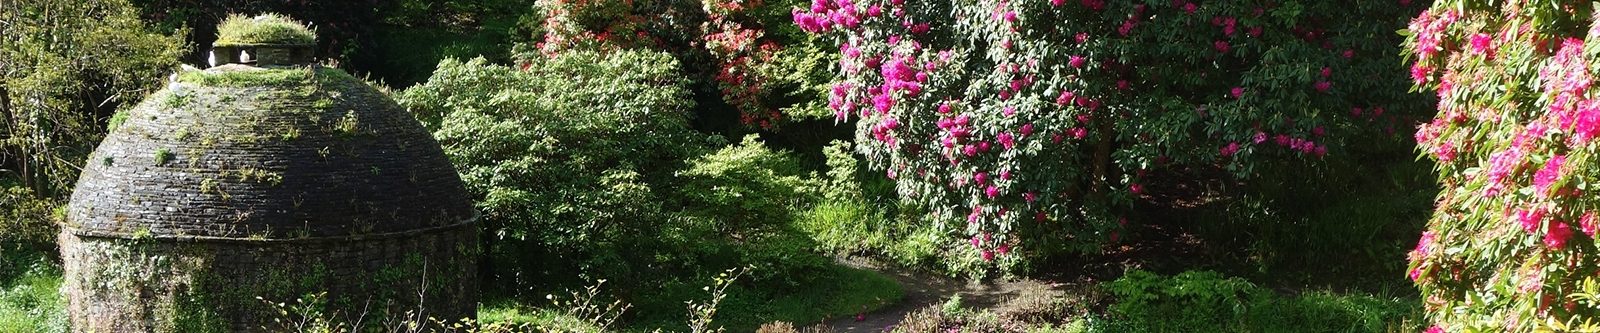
264	40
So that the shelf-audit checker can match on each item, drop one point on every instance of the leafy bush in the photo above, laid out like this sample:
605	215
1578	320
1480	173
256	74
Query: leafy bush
26	219
1511	242
563	156
1028	126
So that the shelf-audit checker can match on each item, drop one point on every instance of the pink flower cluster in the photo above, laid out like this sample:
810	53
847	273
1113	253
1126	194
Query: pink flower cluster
826	15
1430	30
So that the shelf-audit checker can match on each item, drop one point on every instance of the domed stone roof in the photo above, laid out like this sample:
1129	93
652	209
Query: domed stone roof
238	184
243	152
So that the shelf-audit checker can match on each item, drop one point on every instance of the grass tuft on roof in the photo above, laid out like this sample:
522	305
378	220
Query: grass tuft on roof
264	29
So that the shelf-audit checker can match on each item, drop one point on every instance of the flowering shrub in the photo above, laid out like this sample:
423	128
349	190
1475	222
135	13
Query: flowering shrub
1028	126
765	68
1510	246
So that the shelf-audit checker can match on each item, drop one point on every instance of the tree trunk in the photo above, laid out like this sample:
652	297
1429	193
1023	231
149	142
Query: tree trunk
1102	158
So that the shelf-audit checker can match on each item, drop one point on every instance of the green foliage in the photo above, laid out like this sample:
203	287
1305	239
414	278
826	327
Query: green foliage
562	156
264	29
26	218
584	167
66	66
1204	301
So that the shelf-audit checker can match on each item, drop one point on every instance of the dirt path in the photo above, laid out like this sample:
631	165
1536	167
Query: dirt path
923	289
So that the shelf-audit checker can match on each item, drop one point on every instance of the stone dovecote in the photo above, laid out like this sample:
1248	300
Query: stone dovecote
238	187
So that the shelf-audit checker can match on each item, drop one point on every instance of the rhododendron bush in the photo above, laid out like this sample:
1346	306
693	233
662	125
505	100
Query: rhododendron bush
1028	126
1511	245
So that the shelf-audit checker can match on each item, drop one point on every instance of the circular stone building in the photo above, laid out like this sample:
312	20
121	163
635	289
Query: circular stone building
239	191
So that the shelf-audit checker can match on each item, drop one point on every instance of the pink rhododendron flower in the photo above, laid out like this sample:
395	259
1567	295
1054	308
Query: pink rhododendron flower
1006	140
1557	236
1480	43
1230	149
1548	175
1587	222
1259	138
1135	188
991	191
987	255
1236	92
1221	46
1189	8
1420	73
1322	86
1530	219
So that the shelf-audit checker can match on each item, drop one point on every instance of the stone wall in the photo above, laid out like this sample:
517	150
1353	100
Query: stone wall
211	285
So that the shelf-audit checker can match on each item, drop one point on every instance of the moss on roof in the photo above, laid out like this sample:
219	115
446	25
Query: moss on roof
264	29
244	76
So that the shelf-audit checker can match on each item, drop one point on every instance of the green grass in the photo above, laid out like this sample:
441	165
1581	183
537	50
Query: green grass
31	302
834	292
515	314
1204	301
264	29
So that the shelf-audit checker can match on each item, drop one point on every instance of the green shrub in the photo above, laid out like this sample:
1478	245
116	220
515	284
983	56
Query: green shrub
26	218
565	157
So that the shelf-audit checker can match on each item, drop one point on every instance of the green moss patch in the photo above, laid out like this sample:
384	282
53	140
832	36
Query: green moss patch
285	77
264	29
